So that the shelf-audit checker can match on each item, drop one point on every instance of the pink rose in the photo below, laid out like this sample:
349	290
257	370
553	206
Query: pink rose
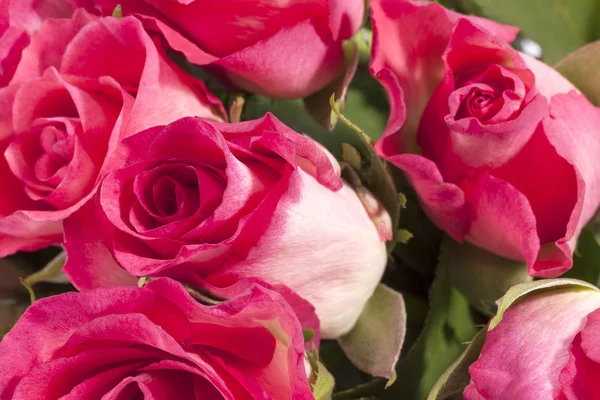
280	49
546	346
19	21
499	147
227	201
81	86
156	342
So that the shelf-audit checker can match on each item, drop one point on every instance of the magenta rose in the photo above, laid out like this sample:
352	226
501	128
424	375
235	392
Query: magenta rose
227	201
546	346
280	49
500	147
68	105
157	342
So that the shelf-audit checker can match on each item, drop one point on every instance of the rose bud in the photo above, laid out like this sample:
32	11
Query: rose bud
81	86
279	49
499	147
156	342
226	201
546	346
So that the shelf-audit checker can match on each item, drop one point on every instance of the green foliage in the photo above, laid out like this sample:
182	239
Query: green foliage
518	292
374	344
322	382
118	12
586	261
450	324
559	26
483	277
581	68
452	383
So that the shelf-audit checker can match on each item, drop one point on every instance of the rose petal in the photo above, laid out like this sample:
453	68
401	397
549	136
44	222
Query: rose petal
502	220
306	200
89	262
511	365
414	55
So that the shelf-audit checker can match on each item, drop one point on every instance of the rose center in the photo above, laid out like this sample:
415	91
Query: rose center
41	156
57	148
481	104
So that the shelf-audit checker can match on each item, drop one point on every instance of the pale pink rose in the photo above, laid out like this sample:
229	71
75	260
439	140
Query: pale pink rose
547	346
157	342
286	49
81	86
500	147
227	201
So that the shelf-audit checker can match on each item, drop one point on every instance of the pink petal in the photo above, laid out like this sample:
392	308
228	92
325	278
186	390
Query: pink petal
12	43
444	202
574	130
306	60
547	80
90	264
414	54
578	377
502	220
523	356
48	47
345	18
283	251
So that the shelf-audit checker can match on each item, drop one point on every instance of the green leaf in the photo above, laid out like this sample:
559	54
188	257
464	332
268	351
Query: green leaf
586	261
403	236
449	325
323	386
375	342
559	26
452	383
517	292
118	12
367	390
581	67
322	382
481	276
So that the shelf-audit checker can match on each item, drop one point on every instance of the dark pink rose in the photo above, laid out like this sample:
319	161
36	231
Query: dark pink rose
546	346
81	86
500	147
227	201
156	342
280	49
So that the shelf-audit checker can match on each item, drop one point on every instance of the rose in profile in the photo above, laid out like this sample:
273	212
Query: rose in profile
280	49
546	346
157	342
499	147
81	86
226	201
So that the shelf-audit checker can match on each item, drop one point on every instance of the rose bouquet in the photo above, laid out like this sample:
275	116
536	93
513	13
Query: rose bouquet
317	199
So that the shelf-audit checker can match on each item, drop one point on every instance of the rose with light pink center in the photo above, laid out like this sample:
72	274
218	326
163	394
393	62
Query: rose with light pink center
222	202
553	355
